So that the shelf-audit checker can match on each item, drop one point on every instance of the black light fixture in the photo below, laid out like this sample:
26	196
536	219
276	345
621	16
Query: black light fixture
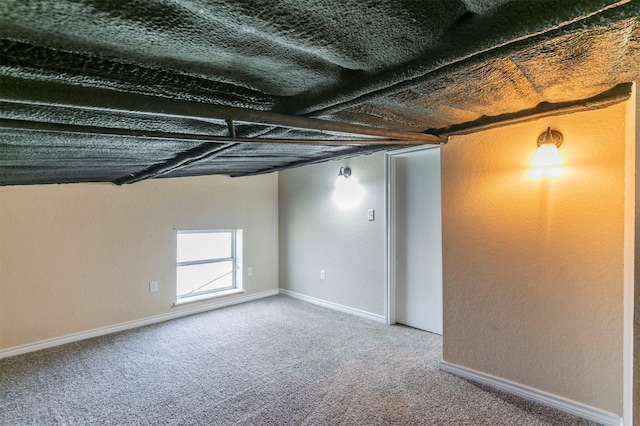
344	171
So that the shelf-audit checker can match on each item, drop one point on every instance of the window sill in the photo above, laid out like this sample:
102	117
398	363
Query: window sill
201	297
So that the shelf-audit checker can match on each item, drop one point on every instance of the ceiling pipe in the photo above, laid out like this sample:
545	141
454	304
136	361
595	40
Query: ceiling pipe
183	159
350	152
232	129
7	123
59	95
617	94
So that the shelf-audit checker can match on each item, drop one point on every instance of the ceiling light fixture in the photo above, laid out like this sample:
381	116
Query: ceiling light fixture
548	144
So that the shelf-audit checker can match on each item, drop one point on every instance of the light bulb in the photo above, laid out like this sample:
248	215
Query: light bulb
348	193
547	156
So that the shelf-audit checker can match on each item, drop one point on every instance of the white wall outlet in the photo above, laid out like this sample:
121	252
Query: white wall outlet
322	274
371	214
153	286
249	271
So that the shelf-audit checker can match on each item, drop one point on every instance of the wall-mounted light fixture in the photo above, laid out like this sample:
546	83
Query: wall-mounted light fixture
548	144
344	171
348	193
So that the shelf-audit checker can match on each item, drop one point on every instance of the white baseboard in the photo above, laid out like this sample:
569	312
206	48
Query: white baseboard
535	395
334	306
49	343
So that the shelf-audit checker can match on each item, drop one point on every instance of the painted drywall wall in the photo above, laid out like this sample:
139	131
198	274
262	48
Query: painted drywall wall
78	257
533	266
636	297
315	234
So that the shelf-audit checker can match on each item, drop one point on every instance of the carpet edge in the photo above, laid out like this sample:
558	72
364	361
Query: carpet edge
334	306
101	331
532	394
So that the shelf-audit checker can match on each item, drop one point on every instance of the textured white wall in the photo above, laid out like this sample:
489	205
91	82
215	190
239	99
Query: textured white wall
533	268
78	257
315	235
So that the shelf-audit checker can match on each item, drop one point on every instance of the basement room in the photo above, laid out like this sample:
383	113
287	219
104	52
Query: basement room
291	212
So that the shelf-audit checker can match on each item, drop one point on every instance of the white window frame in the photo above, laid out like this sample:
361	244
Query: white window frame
236	257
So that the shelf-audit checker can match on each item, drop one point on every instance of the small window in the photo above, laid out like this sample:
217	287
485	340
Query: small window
208	264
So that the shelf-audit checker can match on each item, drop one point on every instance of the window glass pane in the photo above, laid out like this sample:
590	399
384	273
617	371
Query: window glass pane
205	277
204	245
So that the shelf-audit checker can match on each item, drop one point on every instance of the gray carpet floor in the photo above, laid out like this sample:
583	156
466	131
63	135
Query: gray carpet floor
275	361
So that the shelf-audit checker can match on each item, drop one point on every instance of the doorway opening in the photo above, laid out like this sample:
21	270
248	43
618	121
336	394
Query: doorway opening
414	239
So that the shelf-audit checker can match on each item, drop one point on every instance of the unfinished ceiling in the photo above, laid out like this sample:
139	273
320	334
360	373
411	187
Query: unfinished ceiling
108	91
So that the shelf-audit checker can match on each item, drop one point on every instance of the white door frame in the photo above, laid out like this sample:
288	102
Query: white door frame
390	226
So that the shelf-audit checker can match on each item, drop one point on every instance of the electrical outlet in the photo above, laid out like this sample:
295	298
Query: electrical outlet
249	271
153	286
322	274
371	214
